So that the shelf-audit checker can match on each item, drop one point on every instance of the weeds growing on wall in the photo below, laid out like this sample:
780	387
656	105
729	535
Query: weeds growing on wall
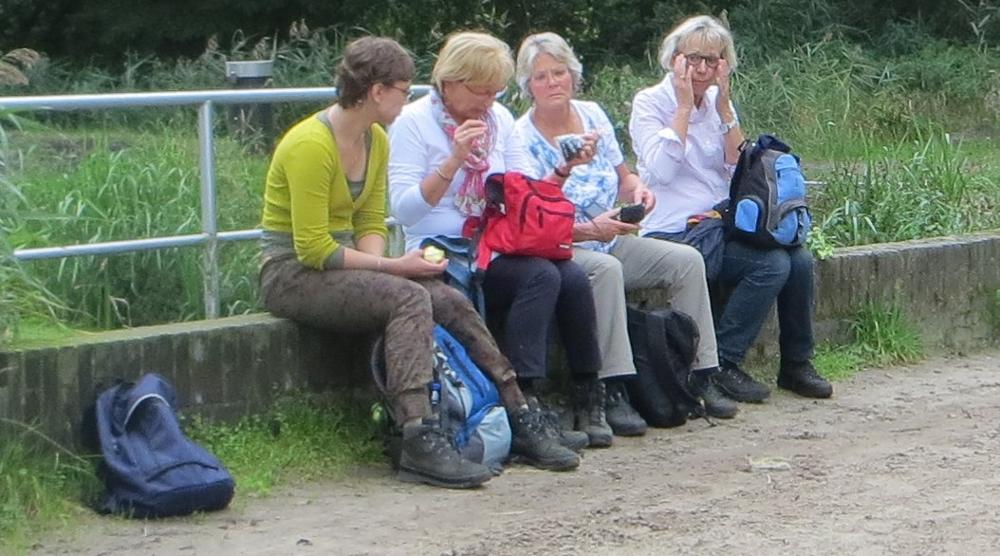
884	336
881	336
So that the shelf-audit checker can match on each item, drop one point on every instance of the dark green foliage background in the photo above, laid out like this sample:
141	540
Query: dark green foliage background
102	31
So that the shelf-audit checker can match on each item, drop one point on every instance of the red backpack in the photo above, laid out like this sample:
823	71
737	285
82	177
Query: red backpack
524	217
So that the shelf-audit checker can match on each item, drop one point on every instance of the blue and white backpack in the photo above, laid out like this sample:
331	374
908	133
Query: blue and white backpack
465	400
150	469
767	197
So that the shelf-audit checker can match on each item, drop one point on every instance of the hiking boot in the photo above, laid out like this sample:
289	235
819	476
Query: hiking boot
588	413
536	442
623	419
574	440
428	456
715	404
803	379
734	383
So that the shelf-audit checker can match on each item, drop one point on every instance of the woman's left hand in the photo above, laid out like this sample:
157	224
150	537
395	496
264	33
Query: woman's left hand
722	73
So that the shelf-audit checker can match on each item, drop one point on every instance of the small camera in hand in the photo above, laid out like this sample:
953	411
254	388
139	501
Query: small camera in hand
570	145
632	214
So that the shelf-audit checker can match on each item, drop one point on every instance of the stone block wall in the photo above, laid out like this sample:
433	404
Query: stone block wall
233	366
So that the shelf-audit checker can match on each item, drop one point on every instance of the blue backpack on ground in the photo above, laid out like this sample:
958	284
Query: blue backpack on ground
464	399
767	197
150	469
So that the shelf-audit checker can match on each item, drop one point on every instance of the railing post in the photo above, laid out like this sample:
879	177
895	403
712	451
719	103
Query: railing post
209	225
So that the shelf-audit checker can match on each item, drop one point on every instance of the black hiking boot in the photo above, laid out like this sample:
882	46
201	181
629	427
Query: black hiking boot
536	442
802	378
588	413
716	405
427	456
623	419
734	383
574	440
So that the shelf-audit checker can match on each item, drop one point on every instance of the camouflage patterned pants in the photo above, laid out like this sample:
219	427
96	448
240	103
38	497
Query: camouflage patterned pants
363	301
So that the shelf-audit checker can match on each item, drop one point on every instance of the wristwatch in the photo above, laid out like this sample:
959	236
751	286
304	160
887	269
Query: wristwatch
726	127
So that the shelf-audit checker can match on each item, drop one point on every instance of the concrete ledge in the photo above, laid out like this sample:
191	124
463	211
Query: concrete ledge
233	366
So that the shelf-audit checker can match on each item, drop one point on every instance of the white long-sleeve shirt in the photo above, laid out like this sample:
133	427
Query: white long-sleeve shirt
418	145
687	177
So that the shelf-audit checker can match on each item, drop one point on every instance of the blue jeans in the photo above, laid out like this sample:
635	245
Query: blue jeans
757	278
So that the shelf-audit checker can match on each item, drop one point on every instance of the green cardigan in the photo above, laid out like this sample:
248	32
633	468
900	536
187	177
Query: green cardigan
307	194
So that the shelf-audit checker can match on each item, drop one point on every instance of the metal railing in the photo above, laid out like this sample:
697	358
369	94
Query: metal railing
206	101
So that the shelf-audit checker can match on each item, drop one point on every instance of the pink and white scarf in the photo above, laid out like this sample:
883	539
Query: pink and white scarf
470	198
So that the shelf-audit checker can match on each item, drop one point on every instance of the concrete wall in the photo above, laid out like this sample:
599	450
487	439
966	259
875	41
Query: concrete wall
228	367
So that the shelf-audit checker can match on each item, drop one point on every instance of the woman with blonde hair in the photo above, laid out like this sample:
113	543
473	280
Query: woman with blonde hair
549	73
323	262
443	147
687	136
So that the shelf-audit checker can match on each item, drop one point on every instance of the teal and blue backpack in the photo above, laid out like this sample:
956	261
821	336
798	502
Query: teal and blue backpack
767	197
465	401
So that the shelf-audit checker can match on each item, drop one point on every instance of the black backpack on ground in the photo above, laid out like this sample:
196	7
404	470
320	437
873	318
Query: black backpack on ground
664	343
149	468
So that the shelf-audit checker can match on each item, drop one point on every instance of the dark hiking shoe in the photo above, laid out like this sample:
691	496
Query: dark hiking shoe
574	440
427	456
536	442
588	413
623	419
734	383
715	404
803	379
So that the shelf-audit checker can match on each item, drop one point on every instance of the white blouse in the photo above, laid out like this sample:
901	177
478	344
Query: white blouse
687	177
418	145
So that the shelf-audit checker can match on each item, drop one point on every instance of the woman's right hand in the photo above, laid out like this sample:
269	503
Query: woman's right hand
605	227
681	81
465	138
414	265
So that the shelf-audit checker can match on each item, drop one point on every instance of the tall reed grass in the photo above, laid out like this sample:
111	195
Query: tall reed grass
879	129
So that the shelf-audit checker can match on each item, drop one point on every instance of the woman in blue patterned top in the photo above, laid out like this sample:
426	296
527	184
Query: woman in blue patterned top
549	73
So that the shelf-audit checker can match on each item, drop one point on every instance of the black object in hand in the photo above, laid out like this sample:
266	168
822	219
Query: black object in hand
570	144
632	214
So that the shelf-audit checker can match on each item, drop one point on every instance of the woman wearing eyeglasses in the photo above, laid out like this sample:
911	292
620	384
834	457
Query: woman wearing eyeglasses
443	147
550	74
323	264
687	137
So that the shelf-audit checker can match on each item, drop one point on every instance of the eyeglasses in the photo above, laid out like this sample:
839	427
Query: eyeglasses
481	92
408	91
696	60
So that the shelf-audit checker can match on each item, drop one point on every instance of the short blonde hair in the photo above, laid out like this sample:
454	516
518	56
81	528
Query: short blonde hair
704	27
476	59
553	45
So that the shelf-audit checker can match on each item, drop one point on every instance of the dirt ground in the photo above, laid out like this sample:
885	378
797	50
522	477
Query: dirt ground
900	461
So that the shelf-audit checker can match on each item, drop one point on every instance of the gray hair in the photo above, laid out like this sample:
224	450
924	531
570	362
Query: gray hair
705	27
545	43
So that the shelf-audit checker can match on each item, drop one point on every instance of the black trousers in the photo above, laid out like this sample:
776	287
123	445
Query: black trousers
524	295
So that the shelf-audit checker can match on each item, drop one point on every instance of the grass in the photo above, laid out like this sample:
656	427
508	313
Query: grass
40	488
903	144
302	437
881	336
